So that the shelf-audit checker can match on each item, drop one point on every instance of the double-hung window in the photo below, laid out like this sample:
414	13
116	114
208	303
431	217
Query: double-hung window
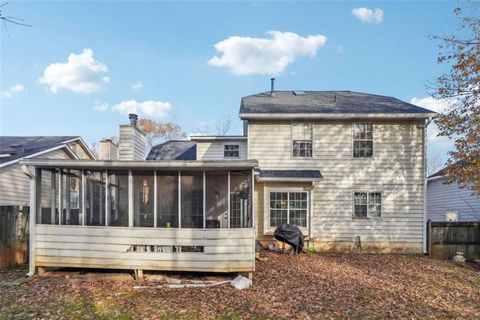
302	140
231	151
362	140
367	204
288	207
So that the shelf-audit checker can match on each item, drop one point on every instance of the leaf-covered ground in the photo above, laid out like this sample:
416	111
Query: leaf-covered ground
285	287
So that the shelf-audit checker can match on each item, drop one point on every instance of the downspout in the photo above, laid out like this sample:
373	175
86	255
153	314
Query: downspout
424	156
32	222
310	189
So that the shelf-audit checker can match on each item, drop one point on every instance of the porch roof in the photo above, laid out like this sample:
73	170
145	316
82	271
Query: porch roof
143	164
290	175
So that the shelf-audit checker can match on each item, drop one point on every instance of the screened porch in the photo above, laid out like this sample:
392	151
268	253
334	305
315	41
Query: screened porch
143	215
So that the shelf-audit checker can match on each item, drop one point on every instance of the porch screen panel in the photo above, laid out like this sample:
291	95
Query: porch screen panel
48	211
240	199
216	197
71	197
167	199
118	198
192	199
143	202
95	198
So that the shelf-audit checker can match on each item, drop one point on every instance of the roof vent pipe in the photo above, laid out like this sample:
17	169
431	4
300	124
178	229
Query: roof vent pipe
272	87
133	119
334	98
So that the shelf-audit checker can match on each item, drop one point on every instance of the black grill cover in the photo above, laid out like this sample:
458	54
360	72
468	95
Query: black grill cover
291	235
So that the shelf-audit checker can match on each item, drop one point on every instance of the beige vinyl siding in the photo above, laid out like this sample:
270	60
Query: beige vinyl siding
79	150
225	250
131	143
396	170
15	185
213	150
442	198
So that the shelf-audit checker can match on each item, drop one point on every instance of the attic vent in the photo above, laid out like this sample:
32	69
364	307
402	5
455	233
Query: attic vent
299	93
15	145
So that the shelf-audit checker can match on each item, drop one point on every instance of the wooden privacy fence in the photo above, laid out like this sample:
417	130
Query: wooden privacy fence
445	239
13	235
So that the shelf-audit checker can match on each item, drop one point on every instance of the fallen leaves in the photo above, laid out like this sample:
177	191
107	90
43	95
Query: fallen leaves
295	287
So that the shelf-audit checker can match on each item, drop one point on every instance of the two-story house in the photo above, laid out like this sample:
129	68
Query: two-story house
338	164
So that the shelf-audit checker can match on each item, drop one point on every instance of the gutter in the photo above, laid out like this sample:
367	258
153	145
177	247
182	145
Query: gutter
278	116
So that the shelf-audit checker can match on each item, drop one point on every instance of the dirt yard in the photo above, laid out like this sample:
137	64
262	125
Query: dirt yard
285	287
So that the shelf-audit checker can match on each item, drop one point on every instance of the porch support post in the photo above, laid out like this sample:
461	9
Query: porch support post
179	202
228	200
155	222
252	205
67	197
102	201
83	202
130	198
204	197
60	198
53	195
107	222
35	181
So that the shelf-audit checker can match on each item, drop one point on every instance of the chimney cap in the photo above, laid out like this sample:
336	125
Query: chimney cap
133	117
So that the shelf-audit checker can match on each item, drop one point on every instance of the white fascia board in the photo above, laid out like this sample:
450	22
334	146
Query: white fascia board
84	145
223	138
38	154
435	178
142	164
279	116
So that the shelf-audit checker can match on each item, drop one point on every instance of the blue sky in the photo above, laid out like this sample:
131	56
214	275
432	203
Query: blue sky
167	46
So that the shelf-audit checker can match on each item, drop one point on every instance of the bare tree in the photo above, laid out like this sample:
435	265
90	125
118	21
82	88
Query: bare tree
460	86
159	132
223	125
10	19
434	163
95	148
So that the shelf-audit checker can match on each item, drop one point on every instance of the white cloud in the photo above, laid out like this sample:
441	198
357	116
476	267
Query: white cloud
264	56
430	103
82	73
368	15
137	86
153	109
439	106
12	91
100	106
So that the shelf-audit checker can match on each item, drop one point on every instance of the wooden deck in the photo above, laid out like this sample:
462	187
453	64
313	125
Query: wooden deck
222	250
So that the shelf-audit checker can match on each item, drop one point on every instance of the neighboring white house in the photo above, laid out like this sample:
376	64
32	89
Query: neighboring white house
14	184
449	202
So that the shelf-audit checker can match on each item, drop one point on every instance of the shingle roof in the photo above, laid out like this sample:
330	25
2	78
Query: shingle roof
174	150
308	174
14	147
441	172
326	102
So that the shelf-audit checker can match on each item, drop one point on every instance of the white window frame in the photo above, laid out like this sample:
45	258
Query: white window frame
353	140
368	198
266	226
230	144
292	140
